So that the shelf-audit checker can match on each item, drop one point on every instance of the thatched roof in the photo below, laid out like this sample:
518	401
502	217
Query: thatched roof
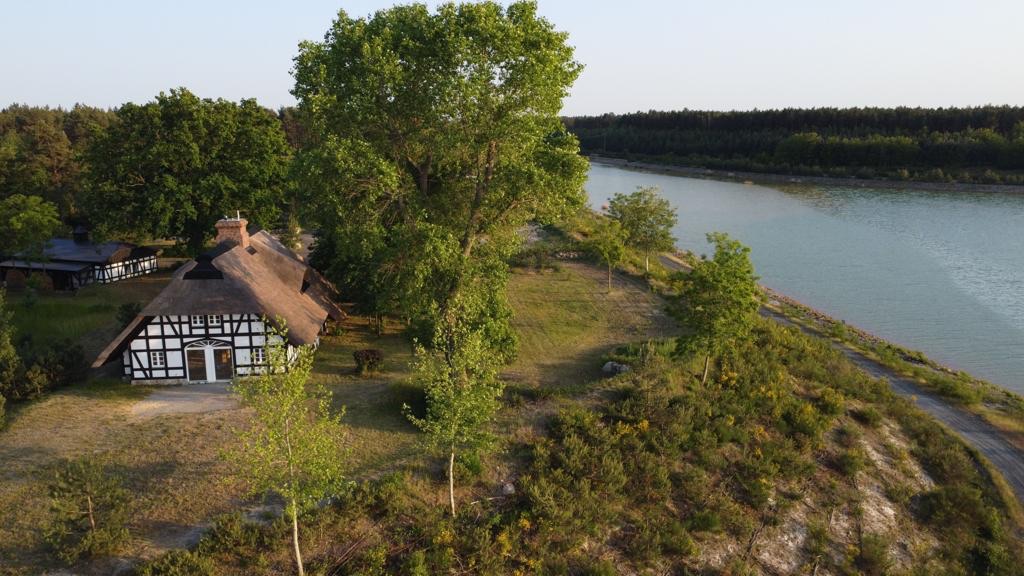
265	278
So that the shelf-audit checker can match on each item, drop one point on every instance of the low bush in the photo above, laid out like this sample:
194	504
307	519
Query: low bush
178	563
369	360
873	557
127	312
867	415
48	368
851	461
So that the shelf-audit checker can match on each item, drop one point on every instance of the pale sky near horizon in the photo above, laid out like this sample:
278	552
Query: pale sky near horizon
639	55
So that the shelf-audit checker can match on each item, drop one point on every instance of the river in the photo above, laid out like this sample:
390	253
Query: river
940	272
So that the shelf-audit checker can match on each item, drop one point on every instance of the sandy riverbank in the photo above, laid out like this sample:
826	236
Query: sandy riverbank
788	179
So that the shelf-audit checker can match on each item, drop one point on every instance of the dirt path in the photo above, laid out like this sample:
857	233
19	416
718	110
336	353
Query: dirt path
987	439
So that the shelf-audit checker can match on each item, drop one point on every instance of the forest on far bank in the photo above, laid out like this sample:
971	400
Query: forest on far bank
972	145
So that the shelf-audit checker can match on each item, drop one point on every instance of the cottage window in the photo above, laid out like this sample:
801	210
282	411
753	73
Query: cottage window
259	356
197	320
213	320
157	360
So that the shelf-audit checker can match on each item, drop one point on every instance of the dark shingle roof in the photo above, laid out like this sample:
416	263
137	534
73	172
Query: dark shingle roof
68	250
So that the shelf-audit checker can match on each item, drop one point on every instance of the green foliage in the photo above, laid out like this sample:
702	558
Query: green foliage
632	479
873	557
26	224
369	360
646	218
172	167
982	144
90	511
178	563
851	461
465	144
10	362
292	448
40	151
46	368
718	300
462	392
127	312
608	243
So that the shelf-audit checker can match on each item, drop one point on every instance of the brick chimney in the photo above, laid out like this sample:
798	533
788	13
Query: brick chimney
233	230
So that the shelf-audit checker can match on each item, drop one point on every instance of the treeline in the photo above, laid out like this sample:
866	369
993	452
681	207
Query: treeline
983	144
44	151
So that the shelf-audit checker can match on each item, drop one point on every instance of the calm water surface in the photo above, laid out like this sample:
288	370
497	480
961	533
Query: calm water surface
940	272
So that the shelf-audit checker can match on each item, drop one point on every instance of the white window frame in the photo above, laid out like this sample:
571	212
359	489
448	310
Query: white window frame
157	359
197	321
213	320
259	356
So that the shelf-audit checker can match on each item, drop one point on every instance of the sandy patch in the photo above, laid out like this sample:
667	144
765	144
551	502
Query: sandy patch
186	399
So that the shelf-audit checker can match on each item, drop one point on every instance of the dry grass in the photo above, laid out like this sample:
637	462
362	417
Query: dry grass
380	436
171	463
566	320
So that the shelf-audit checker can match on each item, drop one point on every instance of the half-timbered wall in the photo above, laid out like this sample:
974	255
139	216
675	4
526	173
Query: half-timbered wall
164	338
125	269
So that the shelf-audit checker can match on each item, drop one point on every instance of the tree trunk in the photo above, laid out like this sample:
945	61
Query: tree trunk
707	362
295	538
609	278
451	481
92	516
647	262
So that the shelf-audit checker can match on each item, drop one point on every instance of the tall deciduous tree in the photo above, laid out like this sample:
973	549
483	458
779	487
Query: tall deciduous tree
26	224
433	137
174	166
608	243
647	219
431	132
293	447
717	301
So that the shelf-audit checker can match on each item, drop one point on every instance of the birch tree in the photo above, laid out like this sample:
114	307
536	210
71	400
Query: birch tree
607	242
293	446
460	380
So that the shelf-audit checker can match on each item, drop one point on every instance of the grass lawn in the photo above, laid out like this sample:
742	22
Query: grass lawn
88	316
566	320
171	462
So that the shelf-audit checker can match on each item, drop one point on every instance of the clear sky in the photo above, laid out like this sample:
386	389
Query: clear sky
639	54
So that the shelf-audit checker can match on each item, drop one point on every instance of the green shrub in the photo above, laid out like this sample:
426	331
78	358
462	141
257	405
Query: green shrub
368	361
178	563
868	416
831	402
847	436
851	461
89	511
127	312
873	556
231	534
706	520
598	568
416	565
